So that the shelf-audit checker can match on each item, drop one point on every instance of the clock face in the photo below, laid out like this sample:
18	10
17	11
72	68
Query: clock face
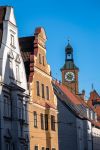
69	76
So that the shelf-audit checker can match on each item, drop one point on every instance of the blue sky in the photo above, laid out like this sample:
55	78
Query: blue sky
77	19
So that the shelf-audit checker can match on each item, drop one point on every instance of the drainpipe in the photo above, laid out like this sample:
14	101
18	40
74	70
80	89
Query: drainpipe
92	137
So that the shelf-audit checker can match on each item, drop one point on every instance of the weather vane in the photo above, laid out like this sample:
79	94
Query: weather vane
68	38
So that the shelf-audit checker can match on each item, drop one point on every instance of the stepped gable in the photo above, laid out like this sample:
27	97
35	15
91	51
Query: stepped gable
94	102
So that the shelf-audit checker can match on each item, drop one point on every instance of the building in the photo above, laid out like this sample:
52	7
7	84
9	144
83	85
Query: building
43	103
14	131
77	121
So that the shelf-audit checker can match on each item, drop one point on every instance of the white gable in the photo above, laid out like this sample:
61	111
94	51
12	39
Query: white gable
10	15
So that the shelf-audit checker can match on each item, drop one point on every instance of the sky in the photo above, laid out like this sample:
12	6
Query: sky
77	20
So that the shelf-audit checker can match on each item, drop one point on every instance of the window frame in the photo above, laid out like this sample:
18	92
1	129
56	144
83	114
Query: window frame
7	106
35	119
12	38
36	147
42	121
53	127
43	91
46	121
47	93
38	88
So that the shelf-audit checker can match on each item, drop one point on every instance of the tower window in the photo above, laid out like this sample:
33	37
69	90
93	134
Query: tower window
37	88
69	56
43	91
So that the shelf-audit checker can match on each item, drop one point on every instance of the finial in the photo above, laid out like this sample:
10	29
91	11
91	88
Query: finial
68	38
92	87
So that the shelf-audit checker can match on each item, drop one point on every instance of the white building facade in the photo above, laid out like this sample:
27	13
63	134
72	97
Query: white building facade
14	98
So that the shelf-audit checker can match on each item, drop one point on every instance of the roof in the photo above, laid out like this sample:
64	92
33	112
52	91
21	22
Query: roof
2	16
27	49
75	102
69	47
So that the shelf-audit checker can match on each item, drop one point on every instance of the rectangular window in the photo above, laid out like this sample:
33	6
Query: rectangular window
42	121
12	40
43	148
43	61
40	58
20	107
17	73
53	149
47	92
46	122
37	88
52	122
25	112
35	119
11	68
47	148
7	146
36	148
7	106
43	91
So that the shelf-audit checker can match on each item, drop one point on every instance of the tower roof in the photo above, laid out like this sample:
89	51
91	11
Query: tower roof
69	47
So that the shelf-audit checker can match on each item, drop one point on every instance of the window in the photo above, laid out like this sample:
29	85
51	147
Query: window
25	112
17	73
47	92
43	60
42	121
20	107
10	68
7	106
7	145
53	149
46	122
43	148
35	119
37	87
47	148
40	58
43	91
52	122
12	40
36	148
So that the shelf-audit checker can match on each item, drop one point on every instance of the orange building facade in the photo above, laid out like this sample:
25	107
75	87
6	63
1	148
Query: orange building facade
43	103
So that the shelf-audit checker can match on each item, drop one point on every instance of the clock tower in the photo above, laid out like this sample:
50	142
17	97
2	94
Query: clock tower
70	71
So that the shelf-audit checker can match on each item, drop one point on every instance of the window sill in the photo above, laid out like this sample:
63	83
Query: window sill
17	81
53	130
35	127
